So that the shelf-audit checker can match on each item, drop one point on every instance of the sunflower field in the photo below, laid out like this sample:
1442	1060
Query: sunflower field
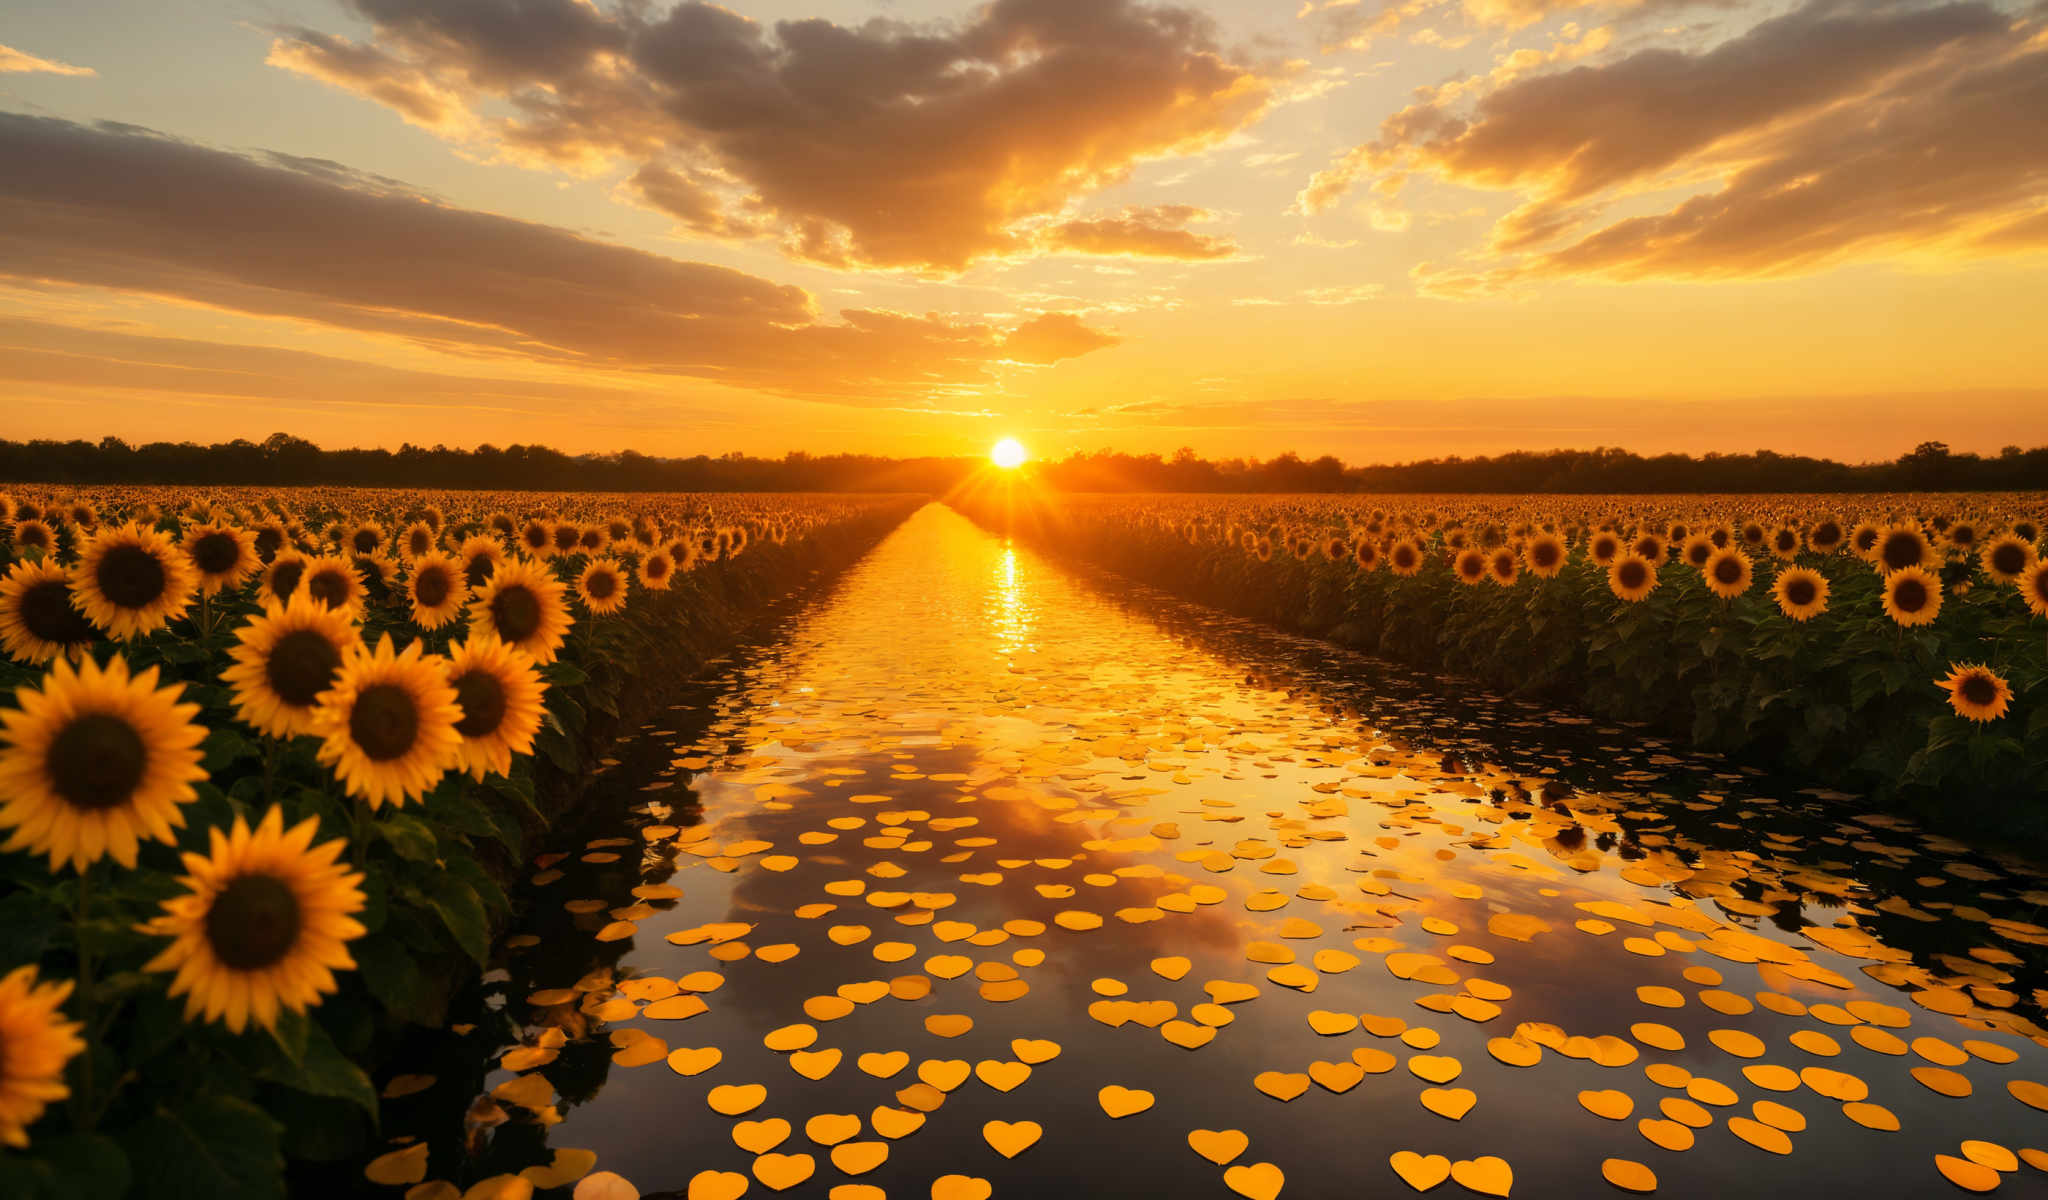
266	762
1893	645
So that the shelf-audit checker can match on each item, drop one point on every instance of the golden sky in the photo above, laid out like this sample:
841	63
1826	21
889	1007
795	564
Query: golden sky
1383	229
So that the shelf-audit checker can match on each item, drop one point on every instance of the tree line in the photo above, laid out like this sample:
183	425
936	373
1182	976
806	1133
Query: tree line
284	460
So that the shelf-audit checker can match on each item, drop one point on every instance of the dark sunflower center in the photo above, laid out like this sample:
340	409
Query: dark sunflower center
1827	533
536	537
1786	540
602	585
1909	595
130	576
1978	689
421	542
1799	591
33	537
2009	558
657	567
97	761
267	542
1603	547
432	586
253	923
301	666
365	541
1727	571
1699	554
384	722
46	611
1546	554
284	579
216	553
329	587
479	570
566	537
1901	551
1633	573
516	613
482	698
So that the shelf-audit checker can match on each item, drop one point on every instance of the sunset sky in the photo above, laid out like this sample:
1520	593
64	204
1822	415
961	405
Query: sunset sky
1383	229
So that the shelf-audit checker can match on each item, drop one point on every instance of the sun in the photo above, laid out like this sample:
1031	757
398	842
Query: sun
1008	454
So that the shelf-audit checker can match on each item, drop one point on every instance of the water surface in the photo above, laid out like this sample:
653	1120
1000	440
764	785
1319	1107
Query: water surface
971	839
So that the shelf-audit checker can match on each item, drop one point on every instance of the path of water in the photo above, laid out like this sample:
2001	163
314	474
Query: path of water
980	877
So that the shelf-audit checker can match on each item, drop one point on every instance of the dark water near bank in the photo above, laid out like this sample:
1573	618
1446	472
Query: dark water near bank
968	811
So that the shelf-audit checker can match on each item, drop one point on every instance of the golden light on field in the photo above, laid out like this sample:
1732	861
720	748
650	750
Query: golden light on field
1008	454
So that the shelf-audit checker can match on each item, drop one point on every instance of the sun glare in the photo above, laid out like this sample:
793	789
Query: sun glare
1008	454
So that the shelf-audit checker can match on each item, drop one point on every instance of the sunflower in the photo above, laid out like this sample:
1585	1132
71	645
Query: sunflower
415	540
1727	572
131	581
1469	565
2006	558
388	723
2033	586
37	620
1366	554
1826	536
602	587
479	556
1912	596
33	534
1976	692
1902	546
523	606
437	590
1697	550
335	582
1650	546
1545	554
263	925
35	1044
1404	557
95	762
1604	547
499	691
282	577
1961	536
224	556
536	537
1863	540
1631	577
2026	531
284	659
366	538
1504	565
594	539
656	569
1802	592
1786	543
271	537
567	536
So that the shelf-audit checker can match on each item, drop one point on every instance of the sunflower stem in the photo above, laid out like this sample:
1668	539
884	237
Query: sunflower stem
84	1115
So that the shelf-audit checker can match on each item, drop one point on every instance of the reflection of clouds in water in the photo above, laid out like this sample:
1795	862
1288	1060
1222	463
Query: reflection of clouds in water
1027	732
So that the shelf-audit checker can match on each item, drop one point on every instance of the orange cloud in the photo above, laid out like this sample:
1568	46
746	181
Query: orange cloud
1159	231
1827	134
122	208
888	144
16	62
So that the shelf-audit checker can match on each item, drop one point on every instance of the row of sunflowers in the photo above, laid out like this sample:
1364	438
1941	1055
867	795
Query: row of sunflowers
1894	645
264	760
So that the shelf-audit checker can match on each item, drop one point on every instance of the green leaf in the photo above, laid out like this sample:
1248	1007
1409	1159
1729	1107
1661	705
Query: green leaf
321	1070
207	1147
67	1167
456	903
408	836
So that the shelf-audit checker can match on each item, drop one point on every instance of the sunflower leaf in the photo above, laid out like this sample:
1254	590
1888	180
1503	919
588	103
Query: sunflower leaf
69	1167
207	1147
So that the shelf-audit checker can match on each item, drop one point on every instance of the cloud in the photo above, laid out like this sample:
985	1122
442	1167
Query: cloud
1836	132
1356	24
887	144
122	208
1050	337
1158	231
16	62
